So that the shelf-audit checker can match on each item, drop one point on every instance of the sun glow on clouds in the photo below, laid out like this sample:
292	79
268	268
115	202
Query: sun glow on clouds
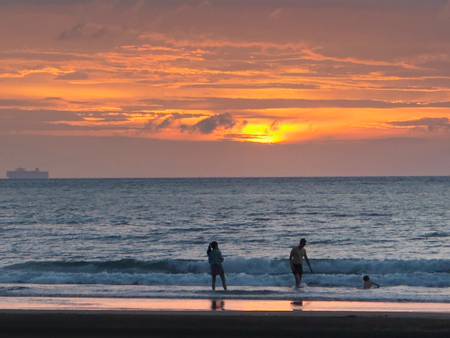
268	84
273	133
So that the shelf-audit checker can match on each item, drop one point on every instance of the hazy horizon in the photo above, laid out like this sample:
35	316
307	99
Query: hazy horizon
92	157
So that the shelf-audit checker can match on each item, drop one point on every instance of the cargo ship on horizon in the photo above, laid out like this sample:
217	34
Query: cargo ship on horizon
23	174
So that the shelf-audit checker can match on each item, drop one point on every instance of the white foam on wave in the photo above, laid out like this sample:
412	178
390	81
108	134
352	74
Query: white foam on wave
240	271
242	279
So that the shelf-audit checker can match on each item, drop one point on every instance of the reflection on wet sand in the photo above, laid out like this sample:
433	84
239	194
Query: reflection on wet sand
217	305
205	305
297	305
248	305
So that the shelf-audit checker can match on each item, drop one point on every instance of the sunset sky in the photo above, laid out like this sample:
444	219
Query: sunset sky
225	88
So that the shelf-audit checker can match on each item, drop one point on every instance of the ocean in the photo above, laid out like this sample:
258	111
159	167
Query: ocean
148	237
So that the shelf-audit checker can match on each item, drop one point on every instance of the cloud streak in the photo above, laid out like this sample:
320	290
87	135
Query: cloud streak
211	124
130	66
431	124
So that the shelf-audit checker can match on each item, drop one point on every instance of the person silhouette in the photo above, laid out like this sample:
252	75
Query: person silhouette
296	261
215	260
368	283
217	305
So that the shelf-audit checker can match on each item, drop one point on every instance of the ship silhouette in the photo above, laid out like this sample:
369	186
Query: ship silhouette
21	173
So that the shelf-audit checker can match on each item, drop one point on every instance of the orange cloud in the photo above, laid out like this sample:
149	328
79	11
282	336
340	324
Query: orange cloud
200	86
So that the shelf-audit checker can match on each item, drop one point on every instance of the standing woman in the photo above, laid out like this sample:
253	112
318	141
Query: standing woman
215	260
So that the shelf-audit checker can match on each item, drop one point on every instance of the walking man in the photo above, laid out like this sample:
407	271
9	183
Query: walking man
296	261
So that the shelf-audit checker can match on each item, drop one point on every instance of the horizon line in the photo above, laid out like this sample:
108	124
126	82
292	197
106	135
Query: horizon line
224	177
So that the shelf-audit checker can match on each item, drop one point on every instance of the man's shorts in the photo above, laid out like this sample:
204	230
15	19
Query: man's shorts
297	269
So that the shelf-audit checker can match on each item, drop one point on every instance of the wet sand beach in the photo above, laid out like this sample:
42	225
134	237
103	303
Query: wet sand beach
77	317
195	324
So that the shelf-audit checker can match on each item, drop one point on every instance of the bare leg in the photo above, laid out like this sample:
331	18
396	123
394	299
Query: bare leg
298	280
214	282
224	284
300	275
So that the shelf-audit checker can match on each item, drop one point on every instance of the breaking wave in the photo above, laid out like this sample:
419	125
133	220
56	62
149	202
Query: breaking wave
240	271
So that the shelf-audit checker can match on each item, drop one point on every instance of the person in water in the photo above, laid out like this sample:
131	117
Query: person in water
296	261
215	260
368	284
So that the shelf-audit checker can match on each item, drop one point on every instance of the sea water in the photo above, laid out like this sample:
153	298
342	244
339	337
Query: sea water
148	237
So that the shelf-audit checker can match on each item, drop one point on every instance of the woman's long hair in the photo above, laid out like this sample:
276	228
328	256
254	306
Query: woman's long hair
212	246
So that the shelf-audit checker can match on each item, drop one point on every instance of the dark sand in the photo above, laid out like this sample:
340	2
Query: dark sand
220	324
